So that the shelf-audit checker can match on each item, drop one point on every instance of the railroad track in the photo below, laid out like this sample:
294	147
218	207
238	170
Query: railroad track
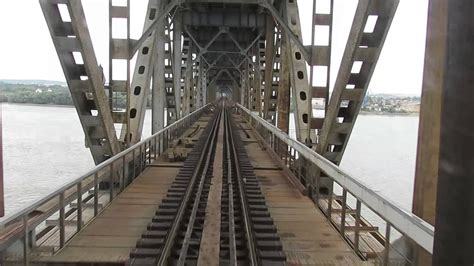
248	235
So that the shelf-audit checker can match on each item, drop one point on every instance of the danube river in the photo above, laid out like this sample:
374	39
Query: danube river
44	149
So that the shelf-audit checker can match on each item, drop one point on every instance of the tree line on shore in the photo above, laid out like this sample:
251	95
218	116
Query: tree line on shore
46	94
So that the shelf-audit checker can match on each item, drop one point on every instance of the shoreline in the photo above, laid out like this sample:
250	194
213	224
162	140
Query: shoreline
388	114
38	104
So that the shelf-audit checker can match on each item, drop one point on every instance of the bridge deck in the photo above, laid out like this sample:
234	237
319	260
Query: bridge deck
307	237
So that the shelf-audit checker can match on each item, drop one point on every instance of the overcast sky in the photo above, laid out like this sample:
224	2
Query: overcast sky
27	52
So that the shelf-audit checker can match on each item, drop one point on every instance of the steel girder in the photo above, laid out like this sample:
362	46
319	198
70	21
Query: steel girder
320	61
269	67
271	115
119	49
298	77
141	80
283	106
177	54
170	91
252	90
259	73
358	64
188	75
85	79
159	80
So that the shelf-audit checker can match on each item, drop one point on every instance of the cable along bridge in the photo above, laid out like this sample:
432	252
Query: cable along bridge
219	182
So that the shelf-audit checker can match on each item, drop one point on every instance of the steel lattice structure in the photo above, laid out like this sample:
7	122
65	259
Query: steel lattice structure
192	49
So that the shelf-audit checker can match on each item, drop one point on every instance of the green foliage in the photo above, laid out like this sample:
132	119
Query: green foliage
54	94
36	94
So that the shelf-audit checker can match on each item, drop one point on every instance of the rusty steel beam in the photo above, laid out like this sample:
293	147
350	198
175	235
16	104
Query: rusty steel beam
83	75
283	106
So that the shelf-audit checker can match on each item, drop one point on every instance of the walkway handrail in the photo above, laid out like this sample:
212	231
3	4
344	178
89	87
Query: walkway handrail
97	168
407	223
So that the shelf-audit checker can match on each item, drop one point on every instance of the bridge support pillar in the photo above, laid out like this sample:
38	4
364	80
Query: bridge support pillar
454	234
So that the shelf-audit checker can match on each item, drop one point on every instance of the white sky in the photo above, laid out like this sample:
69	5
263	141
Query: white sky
27	51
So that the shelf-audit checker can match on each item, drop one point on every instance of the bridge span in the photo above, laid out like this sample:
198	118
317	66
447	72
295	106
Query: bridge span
220	186
220	181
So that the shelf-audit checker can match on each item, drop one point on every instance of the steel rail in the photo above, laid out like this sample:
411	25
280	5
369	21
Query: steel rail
172	234
232	243
253	256
187	238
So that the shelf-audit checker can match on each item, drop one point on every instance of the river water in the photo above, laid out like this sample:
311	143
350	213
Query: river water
44	149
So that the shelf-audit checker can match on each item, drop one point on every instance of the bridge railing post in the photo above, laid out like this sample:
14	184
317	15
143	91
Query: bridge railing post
96	193
124	173
26	245
79	206
111	182
387	244
343	213
357	226
62	233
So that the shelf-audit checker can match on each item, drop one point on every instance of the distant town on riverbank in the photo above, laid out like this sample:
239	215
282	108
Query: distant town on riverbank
57	93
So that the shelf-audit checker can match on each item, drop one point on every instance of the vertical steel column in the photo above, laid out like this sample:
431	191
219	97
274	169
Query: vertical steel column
119	49
275	80
188	74
194	85
158	87
257	79
177	31
252	88
454	234
199	96
204	85
320	60
141	80
269	52
283	105
245	85
170	95
298	76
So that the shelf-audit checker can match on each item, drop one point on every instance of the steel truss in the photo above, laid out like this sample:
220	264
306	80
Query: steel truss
189	51
85	78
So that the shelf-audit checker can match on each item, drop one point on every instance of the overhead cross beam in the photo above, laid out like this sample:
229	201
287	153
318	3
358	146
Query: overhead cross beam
281	21
161	15
203	49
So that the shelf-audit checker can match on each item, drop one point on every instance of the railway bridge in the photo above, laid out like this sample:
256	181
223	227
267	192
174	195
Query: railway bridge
220	181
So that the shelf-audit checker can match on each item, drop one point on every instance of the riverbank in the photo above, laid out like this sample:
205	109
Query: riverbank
39	104
388	113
